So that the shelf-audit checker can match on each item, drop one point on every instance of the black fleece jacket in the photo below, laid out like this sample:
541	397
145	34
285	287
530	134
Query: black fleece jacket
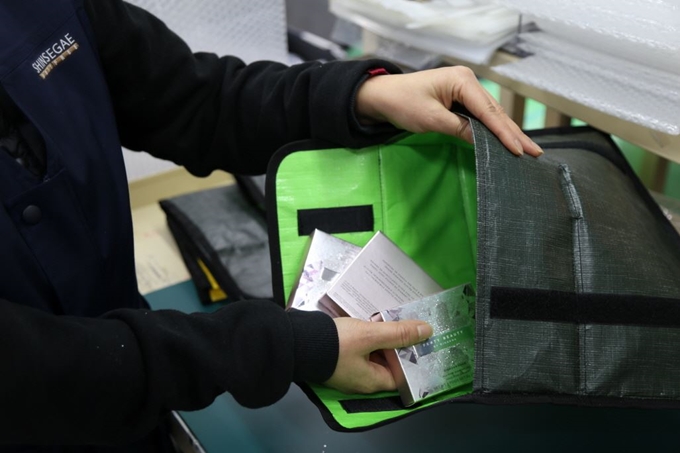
109	380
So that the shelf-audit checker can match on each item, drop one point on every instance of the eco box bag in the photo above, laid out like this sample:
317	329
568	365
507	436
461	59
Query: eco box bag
576	269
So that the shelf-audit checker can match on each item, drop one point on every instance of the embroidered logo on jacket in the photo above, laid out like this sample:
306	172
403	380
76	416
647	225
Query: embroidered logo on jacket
55	55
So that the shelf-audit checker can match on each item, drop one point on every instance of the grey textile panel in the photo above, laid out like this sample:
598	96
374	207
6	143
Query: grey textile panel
571	221
230	232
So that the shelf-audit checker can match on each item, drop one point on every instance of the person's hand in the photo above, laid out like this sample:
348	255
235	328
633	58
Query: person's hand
357	371
420	102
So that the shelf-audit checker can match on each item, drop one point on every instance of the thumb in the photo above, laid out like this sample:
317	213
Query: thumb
399	334
446	122
380	378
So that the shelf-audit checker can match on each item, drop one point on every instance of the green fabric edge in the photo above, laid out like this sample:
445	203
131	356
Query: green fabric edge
331	399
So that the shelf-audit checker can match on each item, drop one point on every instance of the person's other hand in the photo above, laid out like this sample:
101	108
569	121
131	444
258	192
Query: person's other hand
356	371
421	102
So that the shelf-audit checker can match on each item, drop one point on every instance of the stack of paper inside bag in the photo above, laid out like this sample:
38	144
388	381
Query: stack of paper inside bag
382	276
380	282
327	257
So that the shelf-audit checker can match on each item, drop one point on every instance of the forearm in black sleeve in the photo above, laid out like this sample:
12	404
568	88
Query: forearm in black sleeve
69	380
206	112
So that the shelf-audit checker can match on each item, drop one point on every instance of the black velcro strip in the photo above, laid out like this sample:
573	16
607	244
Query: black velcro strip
349	219
391	403
560	306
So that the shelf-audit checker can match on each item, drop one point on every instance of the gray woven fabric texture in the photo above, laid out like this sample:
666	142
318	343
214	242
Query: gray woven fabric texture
571	221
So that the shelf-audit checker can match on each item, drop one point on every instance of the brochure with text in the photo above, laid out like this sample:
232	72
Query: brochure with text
381	276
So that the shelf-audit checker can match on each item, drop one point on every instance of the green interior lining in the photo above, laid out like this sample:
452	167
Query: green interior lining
325	179
331	399
424	212
423	192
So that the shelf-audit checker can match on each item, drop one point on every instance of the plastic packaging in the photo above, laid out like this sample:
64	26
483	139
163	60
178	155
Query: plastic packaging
627	90
251	29
470	30
670	208
644	31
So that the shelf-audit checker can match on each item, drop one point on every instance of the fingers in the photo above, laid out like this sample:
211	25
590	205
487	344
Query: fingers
421	102
378	357
387	335
379	379
358	369
482	105
391	335
444	122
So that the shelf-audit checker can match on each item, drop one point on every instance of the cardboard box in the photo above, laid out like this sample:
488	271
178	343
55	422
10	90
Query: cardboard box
381	276
327	257
446	360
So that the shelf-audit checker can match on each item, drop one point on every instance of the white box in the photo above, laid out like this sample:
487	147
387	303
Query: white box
446	360
382	276
327	257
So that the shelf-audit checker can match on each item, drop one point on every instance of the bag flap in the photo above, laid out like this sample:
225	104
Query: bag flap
578	277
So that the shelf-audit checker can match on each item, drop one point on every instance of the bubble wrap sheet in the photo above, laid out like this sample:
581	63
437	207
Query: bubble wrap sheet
467	29
627	90
645	31
250	29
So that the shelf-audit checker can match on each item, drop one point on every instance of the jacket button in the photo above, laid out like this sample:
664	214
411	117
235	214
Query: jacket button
32	215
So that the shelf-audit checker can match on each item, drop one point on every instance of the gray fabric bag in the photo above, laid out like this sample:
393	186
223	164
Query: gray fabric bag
579	277
577	269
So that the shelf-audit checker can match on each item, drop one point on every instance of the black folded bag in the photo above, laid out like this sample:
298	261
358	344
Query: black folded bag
222	236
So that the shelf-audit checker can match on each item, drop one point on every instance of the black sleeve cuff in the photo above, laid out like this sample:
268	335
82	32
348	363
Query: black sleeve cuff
335	91
316	346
